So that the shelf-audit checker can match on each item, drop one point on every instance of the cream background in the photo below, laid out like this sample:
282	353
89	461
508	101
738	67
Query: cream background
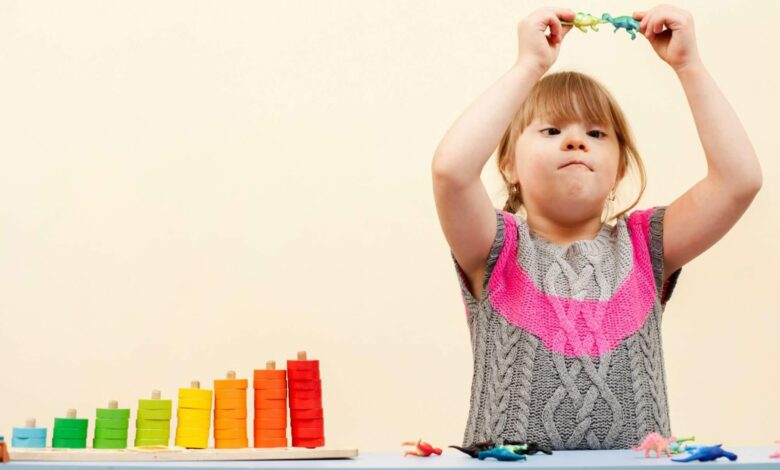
188	187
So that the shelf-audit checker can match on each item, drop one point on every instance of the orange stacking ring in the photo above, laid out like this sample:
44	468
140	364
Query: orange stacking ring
231	443
270	425
305	392
230	412
270	442
270	433
228	394
277	394
224	423
265	374
236	433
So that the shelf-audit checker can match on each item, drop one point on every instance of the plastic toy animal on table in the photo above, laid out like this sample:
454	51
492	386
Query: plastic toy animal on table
4	457
584	20
530	448
706	454
626	22
776	455
419	449
505	453
676	447
657	443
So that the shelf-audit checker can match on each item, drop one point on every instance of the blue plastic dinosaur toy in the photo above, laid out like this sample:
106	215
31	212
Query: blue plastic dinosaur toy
707	453
503	454
626	22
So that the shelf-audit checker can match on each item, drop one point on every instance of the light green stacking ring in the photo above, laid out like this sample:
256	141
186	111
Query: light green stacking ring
101	433
105	423
109	444
151	442
70	433
149	404
78	423
154	414
153	424
157	434
113	413
69	443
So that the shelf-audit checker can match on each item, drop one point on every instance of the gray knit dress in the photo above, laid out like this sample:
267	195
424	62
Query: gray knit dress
566	340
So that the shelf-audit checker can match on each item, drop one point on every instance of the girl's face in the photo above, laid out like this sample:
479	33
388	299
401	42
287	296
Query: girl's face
566	170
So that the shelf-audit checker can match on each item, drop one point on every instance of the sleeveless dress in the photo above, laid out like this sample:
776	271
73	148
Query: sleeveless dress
566	340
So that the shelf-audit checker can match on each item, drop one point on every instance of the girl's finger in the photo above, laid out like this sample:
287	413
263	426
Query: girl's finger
638	15
556	30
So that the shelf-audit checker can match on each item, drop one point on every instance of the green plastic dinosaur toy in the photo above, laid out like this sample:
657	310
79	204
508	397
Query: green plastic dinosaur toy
583	20
626	22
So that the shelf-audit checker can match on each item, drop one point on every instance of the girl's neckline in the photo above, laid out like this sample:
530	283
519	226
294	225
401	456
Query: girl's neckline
603	235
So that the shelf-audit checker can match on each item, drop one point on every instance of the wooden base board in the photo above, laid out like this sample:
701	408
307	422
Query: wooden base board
177	454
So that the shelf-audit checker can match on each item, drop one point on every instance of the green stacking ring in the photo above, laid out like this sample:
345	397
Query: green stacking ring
154	414
105	423
78	423
152	434
153	424
109	444
154	404
69	433
151	442
69	443
111	413
101	433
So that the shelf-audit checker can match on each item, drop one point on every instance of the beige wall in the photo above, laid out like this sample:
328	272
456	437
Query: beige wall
187	187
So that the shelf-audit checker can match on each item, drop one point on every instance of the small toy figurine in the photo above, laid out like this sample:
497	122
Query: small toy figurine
420	449
776	455
530	448
626	22
676	447
4	457
656	442
506	453
583	20
707	453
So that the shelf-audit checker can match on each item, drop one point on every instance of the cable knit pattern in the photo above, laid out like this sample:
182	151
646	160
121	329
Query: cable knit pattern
566	340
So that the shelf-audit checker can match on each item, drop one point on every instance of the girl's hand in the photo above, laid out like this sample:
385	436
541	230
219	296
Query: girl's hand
670	31
536	49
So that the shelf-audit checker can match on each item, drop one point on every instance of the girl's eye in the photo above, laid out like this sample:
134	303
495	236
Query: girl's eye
553	131
596	134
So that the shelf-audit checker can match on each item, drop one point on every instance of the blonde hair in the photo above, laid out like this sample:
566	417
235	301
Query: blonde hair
558	96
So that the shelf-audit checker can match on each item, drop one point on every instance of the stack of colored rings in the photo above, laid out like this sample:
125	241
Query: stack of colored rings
306	402
29	436
153	425
270	406
70	432
111	427
194	415
230	413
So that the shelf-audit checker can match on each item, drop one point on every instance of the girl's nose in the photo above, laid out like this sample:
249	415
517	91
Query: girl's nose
575	143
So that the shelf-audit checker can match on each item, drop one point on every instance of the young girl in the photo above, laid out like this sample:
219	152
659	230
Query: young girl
565	310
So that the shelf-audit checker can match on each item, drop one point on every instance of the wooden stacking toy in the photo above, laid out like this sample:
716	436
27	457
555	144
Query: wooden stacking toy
29	436
153	424
111	426
270	406
306	417
230	413
194	417
70	432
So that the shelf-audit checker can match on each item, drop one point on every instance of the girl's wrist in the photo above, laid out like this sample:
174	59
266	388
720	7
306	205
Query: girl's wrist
532	69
